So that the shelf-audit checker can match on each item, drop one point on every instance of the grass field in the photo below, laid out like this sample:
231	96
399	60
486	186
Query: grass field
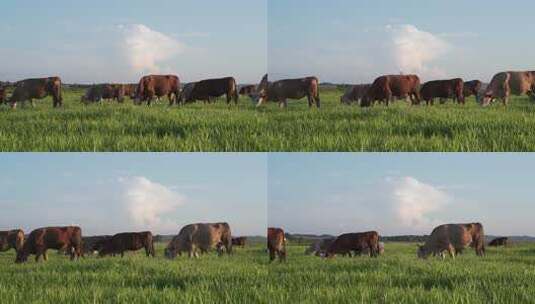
505	275
239	278
217	127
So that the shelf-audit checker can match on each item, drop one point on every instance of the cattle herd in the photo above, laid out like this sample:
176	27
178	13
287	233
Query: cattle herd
201	238
384	89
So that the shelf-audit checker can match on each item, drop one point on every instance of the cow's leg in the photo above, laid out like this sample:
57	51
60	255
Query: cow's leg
451	251
122	254
310	101
271	255
283	103
45	255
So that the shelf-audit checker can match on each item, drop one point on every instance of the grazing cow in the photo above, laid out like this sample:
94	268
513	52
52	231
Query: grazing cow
200	237
211	88
157	86
59	238
99	92
239	241
247	90
358	242
91	244
276	244
453	238
354	94
12	239
282	90
319	247
472	87
505	84
443	89
501	241
384	88
128	241
38	88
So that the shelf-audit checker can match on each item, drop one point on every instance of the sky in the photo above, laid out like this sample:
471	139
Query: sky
354	41
396	193
119	40
110	193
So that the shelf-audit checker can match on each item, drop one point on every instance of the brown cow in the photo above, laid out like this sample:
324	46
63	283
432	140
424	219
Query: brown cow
11	239
130	90
247	90
60	238
282	90
200	237
443	89
239	241
128	241
384	88
472	87
354	94
276	244
453	238
157	86
501	241
505	84
99	92
38	88
211	88
358	242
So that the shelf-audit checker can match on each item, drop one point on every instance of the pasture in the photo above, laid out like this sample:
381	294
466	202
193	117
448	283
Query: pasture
239	278
504	275
218	127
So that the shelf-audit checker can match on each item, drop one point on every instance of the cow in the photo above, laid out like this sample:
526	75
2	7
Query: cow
200	237
276	244
453	238
59	238
384	88
12	239
207	89
472	87
152	86
354	94
319	247
91	244
506	84
501	241
349	242
99	92
37	88
247	90
239	241
282	90
130	90
127	241
443	89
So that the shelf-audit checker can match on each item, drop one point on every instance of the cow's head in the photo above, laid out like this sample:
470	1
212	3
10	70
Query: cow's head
170	252
486	98
22	255
259	97
422	252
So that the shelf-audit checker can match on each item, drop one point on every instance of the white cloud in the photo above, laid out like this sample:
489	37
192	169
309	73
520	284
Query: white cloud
147	203
413	202
147	50
413	49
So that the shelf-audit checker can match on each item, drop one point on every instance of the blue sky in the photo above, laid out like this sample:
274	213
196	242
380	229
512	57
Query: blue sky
400	193
110	193
108	41
357	40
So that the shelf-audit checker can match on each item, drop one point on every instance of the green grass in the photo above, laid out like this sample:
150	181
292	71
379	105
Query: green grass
504	275
239	278
218	127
